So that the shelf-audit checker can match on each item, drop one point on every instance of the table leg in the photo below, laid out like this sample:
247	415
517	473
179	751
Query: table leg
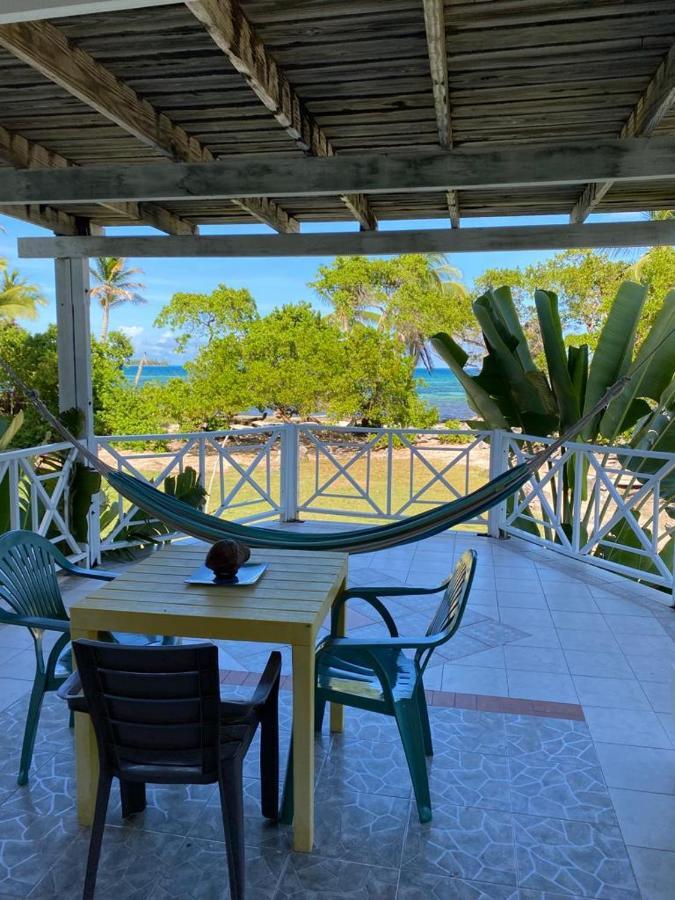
86	754
337	710
303	747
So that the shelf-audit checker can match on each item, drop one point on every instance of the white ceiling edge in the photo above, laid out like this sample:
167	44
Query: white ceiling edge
31	10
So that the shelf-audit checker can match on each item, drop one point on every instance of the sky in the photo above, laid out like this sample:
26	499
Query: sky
271	281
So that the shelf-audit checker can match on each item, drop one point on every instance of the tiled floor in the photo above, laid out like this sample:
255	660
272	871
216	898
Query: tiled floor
525	807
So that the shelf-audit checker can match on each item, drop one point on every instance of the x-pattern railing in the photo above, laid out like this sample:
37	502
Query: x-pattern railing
234	467
408	477
608	505
35	487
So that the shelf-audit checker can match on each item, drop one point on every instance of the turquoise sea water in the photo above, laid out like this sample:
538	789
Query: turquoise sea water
439	387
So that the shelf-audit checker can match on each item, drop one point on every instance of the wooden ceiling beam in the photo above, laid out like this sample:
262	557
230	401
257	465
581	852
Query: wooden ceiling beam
56	220
47	49
21	153
478	168
233	34
438	240
434	21
646	115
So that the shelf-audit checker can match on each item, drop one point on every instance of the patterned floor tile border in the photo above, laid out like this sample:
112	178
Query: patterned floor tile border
448	700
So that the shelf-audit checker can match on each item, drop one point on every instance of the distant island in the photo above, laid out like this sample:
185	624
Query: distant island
147	362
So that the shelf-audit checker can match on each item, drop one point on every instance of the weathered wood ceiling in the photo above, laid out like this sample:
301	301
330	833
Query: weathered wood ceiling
359	77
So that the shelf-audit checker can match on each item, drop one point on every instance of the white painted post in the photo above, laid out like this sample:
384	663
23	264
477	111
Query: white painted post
499	462
74	360
290	443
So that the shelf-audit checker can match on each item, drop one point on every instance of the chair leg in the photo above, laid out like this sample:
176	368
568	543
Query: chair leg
410	728
32	721
231	789
269	762
319	712
286	815
424	719
98	825
132	794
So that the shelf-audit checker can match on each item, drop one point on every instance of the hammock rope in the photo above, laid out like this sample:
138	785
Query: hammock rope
186	519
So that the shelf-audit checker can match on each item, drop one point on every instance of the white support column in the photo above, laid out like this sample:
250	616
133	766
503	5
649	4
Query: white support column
499	461
74	362
74	339
290	440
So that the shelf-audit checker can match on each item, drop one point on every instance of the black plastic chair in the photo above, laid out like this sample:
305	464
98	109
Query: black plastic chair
158	718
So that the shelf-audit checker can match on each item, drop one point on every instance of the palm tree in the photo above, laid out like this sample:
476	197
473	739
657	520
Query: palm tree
115	286
18	298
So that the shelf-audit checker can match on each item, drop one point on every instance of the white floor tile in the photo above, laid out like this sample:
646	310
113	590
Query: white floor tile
474	680
530	685
606	664
638	768
538	659
616	693
646	820
638	728
654	871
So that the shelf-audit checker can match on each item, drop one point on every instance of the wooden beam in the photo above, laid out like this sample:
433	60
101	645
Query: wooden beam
233	34
56	220
434	21
443	240
646	115
47	49
636	159
18	151
28	10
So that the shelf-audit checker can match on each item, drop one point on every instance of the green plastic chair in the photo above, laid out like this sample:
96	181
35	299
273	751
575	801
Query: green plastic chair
377	675
30	588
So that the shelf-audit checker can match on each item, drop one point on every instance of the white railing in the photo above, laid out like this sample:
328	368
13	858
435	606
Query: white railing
239	470
387	473
609	506
35	493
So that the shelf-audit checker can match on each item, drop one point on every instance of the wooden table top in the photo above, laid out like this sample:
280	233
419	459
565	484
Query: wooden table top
287	605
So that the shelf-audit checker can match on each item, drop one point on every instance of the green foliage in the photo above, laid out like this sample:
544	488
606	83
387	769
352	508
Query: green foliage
18	298
114	285
205	317
410	297
290	358
455	425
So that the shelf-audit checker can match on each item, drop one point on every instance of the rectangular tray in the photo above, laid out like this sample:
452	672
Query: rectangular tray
248	574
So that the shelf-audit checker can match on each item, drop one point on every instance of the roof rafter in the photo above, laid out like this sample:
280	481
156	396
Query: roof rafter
21	153
658	97
47	49
56	220
233	34
434	20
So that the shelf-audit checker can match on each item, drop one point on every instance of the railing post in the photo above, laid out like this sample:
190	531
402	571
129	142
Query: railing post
499	462
290	443
94	519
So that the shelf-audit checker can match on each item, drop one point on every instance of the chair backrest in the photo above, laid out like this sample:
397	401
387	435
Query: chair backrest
155	710
28	577
450	610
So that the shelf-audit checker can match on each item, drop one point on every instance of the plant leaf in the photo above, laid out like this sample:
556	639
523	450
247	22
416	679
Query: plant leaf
556	358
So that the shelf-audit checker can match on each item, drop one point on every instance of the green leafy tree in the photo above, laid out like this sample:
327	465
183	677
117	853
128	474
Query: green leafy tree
656	270
205	317
376	385
18	298
216	389
410	297
289	360
115	285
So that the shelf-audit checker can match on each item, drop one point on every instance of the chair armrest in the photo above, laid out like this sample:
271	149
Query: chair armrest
365	592
373	601
359	644
7	618
96	574
269	680
71	692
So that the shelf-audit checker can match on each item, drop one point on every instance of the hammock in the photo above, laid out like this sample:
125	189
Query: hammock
186	519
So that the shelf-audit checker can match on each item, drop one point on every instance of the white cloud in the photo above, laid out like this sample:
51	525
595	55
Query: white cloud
131	331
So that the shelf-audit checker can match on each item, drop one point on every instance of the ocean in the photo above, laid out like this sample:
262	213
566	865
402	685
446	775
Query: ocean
439	387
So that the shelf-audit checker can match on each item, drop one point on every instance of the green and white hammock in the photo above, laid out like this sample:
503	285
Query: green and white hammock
186	519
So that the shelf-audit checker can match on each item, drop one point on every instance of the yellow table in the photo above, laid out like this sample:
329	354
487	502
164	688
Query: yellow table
286	606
